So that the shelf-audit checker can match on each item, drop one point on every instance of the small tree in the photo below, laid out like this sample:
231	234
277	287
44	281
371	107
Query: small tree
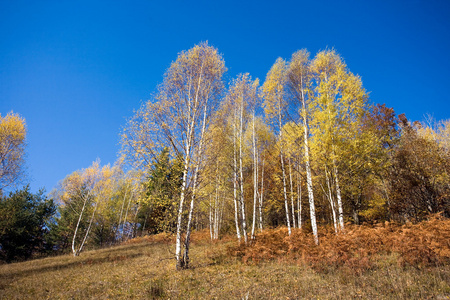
12	149
80	195
158	210
419	176
24	222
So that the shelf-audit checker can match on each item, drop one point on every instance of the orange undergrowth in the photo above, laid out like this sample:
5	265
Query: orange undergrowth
359	248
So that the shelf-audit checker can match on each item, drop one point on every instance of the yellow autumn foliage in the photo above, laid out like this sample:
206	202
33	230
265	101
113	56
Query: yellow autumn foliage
12	148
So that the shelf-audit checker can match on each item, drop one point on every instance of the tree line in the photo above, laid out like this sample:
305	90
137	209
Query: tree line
304	149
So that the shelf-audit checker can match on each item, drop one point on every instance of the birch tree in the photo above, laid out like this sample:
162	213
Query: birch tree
178	117
254	101
340	102
81	194
275	107
186	99
12	149
241	98
264	142
299	76
293	141
216	172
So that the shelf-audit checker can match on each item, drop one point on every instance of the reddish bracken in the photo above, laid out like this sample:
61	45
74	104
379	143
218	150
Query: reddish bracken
358	248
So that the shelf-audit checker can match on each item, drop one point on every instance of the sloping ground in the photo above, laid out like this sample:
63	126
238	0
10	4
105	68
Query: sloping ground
273	267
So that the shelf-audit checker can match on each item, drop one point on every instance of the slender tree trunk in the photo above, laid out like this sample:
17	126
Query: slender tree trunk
244	222
338	196
126	216
387	197
312	208
255	176
219	212
121	212
331	200
309	185
261	198
192	103
216	214
210	218
187	240
299	199
336	179
284	176
235	181
292	194
285	194
216	208
194	190
74	251
87	231
180	207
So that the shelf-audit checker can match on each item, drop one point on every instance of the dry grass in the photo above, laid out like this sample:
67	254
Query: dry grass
144	269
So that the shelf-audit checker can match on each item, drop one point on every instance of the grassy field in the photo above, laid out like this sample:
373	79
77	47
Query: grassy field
144	269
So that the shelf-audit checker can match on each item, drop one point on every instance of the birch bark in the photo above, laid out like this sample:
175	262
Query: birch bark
255	175
241	173
261	197
292	194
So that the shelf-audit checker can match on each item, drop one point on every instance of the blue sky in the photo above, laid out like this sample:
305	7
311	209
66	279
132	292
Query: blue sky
76	70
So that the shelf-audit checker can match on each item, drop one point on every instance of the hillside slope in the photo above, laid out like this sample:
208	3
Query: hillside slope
144	269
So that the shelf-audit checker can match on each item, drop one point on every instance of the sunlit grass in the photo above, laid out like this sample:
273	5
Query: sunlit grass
146	270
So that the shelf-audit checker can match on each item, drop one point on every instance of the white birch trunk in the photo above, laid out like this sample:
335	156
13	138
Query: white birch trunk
187	240
210	218
241	173
292	194
87	231
284	176
188	142
338	196
255	177
235	181
331	200
299	199
285	194
336	179
261	197
216	215
75	252
192	111
312	208
216	208
194	189
309	185
180	208
219	216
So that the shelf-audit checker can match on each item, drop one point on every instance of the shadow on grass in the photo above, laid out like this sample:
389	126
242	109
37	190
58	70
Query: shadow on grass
85	259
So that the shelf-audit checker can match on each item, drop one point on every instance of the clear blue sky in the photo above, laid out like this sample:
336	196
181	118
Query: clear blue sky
77	69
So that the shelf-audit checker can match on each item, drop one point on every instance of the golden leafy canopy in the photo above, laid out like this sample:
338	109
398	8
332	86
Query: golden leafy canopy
12	148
